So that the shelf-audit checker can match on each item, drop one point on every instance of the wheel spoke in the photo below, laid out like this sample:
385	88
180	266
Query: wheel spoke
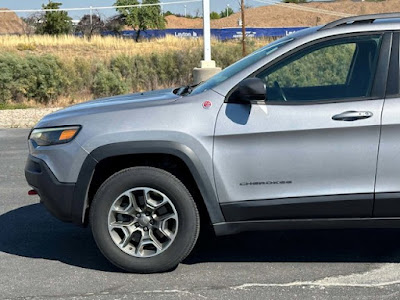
127	235
162	224
154	241
131	209
134	205
163	218
154	204
145	240
127	231
119	225
139	247
126	240
167	233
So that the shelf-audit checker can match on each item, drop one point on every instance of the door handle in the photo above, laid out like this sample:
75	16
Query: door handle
352	116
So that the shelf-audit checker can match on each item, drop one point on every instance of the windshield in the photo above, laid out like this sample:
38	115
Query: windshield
241	65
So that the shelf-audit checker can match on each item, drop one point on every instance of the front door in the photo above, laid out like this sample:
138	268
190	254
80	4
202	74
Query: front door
309	151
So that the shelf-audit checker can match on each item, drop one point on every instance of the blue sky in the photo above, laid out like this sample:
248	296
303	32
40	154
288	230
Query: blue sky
192	8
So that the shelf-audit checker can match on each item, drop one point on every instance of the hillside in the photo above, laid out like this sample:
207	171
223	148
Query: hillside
278	16
10	23
264	16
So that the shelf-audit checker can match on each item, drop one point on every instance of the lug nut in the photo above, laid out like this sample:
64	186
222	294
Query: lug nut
145	229
137	224
147	214
137	215
152	222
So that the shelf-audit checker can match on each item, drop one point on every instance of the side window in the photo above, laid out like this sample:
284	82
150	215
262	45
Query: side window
335	69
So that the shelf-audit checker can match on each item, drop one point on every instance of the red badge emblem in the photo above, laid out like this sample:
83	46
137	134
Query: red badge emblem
207	104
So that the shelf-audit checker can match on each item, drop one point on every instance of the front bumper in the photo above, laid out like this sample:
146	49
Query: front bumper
57	197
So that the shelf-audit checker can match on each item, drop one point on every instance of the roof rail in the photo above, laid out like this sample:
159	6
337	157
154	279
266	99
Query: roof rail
360	20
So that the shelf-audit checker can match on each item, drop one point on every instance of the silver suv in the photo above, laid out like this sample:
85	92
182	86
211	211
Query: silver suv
303	133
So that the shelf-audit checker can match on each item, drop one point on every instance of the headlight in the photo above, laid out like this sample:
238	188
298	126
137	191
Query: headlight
54	136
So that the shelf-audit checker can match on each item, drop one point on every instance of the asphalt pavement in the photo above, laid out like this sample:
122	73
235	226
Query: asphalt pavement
43	258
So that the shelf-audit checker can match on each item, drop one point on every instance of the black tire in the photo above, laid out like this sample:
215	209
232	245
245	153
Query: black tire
165	182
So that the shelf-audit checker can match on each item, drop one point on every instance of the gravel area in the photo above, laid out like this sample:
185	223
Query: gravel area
23	118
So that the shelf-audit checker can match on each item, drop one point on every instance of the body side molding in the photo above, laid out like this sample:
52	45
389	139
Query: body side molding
229	228
329	206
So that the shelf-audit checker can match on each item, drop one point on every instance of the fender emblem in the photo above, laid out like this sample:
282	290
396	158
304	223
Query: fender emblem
207	104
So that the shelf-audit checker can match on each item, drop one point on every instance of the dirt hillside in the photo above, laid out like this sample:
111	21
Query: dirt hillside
279	16
10	23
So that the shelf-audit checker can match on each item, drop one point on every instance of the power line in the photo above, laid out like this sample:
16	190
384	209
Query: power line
98	8
304	8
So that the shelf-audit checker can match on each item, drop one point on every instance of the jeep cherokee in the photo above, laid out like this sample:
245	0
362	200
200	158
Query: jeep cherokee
303	133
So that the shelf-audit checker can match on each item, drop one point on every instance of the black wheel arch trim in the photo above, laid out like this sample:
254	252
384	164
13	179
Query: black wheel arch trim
186	154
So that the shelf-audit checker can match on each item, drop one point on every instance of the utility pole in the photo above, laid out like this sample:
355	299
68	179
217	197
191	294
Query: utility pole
185	11
243	29
227	10
91	16
91	22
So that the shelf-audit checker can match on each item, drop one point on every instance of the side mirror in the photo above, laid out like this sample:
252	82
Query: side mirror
250	89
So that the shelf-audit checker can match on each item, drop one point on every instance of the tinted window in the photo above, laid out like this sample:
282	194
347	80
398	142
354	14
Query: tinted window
335	69
241	65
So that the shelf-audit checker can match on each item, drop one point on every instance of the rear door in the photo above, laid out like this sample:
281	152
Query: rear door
311	150
387	198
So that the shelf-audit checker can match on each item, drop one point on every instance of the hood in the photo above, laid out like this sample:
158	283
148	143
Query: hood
115	103
130	99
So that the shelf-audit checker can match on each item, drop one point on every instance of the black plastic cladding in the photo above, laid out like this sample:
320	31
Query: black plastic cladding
183	152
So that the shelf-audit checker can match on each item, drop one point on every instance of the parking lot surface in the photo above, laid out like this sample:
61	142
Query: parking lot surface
43	258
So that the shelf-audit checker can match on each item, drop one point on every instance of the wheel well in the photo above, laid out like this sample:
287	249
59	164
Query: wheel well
170	163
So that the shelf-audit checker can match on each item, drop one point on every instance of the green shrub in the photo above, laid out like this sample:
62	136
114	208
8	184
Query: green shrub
41	78
107	83
46	78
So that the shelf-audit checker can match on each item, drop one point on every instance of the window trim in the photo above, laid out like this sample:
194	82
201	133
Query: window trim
379	82
393	81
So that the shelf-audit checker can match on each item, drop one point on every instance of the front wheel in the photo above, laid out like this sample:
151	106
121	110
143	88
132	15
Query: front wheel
144	220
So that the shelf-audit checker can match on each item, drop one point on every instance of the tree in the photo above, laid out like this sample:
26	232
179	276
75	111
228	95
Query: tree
141	18
223	13
214	15
115	23
89	26
54	22
32	22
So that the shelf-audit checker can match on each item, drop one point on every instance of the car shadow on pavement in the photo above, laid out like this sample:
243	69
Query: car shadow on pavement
347	245
30	231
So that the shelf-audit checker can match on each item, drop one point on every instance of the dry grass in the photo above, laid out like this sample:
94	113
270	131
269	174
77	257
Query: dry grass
68	46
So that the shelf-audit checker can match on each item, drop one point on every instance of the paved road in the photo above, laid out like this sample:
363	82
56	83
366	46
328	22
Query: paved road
42	258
